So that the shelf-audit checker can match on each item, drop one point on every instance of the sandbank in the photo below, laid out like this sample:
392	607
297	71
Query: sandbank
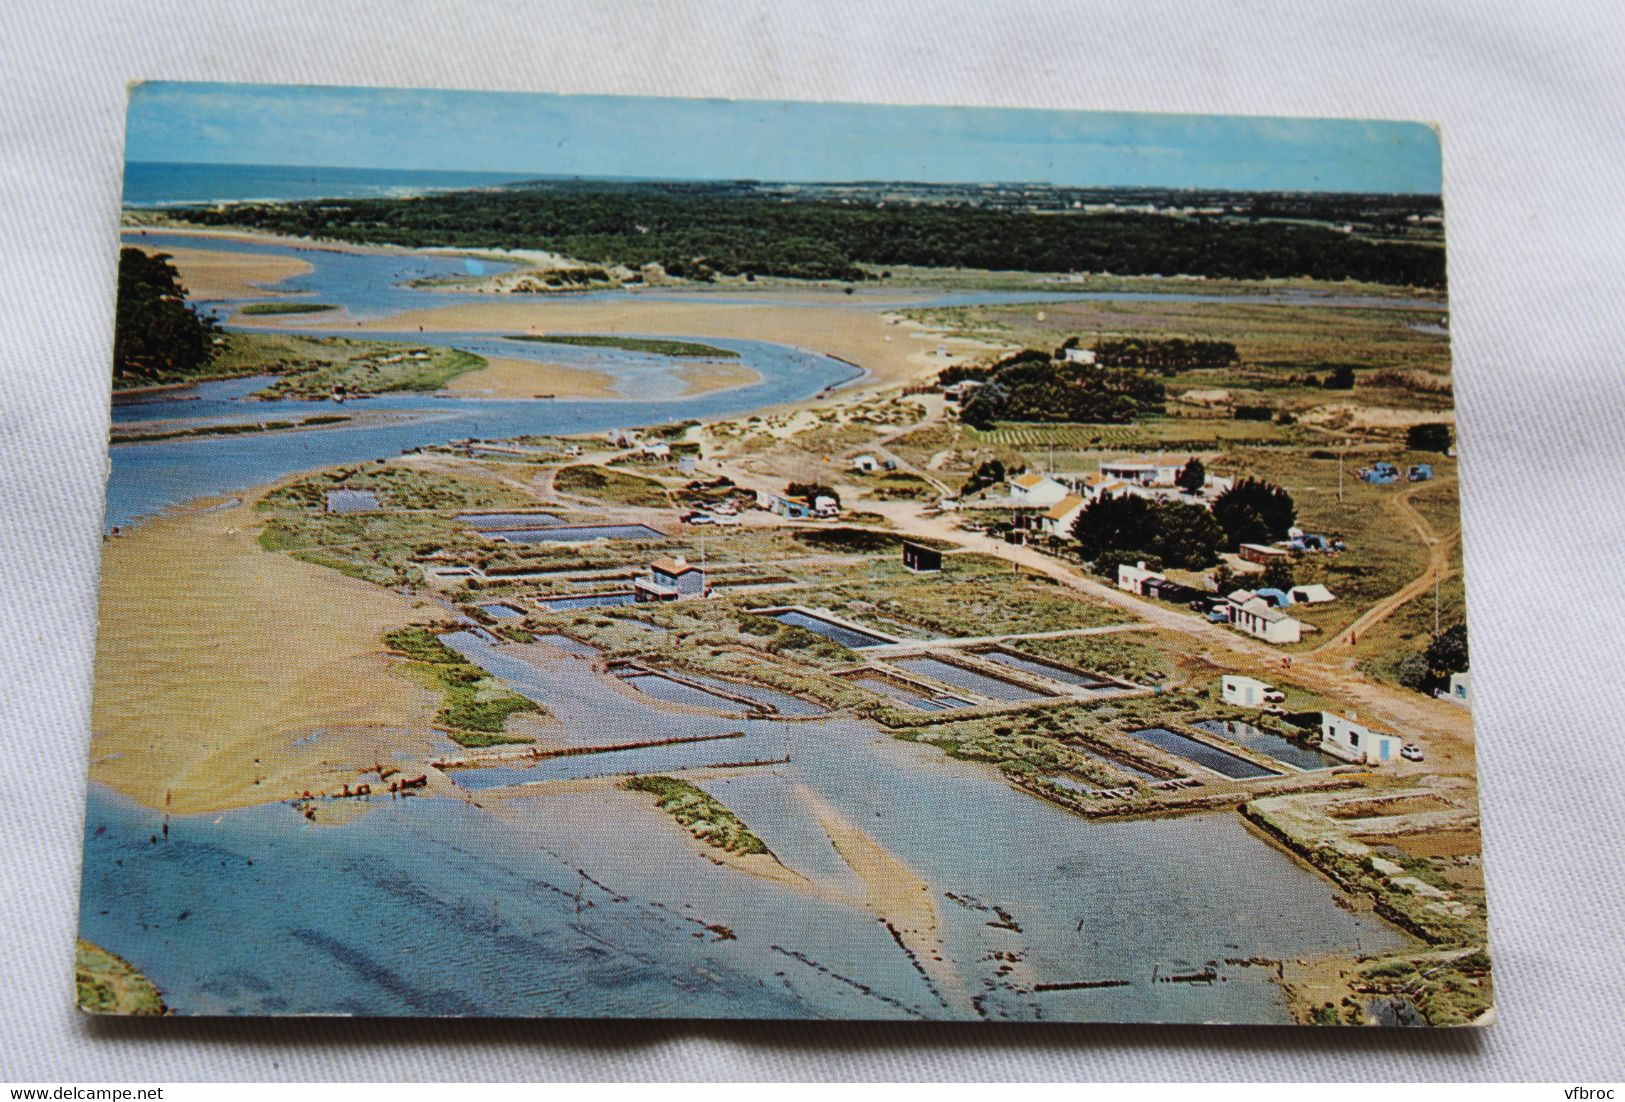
219	665
888	350
212	274
509	377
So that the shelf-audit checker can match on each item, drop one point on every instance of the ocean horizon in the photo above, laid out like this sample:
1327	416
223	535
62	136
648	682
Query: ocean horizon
152	184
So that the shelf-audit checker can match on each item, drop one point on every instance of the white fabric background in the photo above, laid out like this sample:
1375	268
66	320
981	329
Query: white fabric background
1529	98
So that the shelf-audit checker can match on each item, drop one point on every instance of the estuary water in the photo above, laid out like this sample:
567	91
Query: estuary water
592	902
147	478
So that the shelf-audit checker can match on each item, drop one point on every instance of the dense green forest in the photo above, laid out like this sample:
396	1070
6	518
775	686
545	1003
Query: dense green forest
1167	355
156	335
1030	386
698	230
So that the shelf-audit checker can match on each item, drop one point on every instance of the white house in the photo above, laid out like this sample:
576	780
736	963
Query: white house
1076	355
826	506
1037	490
1344	738
670	579
1310	595
1134	578
1145	472
658	449
1248	692
1460	690
1063	515
1258	618
864	463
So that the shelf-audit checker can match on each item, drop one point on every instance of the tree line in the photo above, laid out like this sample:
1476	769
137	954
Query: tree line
157	335
1127	528
1167	355
700	230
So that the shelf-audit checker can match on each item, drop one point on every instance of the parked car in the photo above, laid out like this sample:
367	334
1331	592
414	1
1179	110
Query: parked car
1411	752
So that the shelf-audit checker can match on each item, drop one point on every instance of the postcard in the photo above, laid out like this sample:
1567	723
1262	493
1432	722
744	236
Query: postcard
643	558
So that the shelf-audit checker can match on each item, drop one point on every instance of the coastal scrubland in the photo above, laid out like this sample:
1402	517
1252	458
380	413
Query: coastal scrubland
700	813
109	984
476	706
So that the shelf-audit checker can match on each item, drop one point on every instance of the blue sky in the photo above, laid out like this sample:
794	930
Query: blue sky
768	140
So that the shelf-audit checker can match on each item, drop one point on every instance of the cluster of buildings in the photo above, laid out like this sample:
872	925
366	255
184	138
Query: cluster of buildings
1062	498
1256	612
1340	736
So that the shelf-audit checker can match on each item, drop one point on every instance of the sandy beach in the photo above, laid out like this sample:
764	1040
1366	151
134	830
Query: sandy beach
218	663
211	274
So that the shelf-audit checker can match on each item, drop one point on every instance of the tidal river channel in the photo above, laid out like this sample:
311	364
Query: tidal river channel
547	890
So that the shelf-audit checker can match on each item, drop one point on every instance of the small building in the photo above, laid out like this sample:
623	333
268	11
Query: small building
658	449
1262	554
1310	595
1061	516
670	579
1076	355
1166	589
826	506
1460	690
794	508
921	559
1247	692
864	463
1343	737
1036	490
1261	621
961	390
1135	579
